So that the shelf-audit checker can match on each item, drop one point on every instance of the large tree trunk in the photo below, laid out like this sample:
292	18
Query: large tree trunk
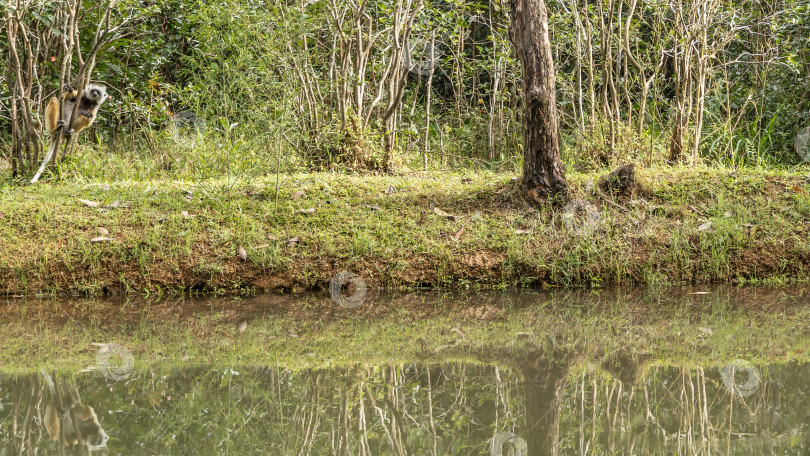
543	171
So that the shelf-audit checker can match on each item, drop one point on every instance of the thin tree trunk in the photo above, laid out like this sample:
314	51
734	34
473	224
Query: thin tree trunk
578	109
589	47
429	90
543	171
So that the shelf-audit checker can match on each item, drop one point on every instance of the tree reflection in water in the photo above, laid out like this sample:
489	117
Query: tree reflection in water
555	401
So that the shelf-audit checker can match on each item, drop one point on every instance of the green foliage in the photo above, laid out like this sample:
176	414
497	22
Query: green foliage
274	73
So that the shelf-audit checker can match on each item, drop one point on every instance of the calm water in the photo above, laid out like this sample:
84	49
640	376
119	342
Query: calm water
545	402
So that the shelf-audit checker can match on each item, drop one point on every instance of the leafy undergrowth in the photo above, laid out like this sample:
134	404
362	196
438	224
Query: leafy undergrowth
420	229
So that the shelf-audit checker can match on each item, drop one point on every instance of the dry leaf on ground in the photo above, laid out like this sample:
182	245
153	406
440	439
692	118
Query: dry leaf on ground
88	203
442	213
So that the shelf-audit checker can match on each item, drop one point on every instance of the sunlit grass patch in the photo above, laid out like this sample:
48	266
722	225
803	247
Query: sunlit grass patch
421	228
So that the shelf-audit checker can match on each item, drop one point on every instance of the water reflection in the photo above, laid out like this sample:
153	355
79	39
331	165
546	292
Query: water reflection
551	402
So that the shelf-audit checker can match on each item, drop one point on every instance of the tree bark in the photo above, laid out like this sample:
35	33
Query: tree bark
543	171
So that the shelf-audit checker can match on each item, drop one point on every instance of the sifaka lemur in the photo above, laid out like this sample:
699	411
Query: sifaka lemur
89	102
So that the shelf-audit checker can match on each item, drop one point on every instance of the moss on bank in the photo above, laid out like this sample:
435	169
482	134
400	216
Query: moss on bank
171	236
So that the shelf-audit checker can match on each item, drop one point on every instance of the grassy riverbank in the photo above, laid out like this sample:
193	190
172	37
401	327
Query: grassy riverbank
684	226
